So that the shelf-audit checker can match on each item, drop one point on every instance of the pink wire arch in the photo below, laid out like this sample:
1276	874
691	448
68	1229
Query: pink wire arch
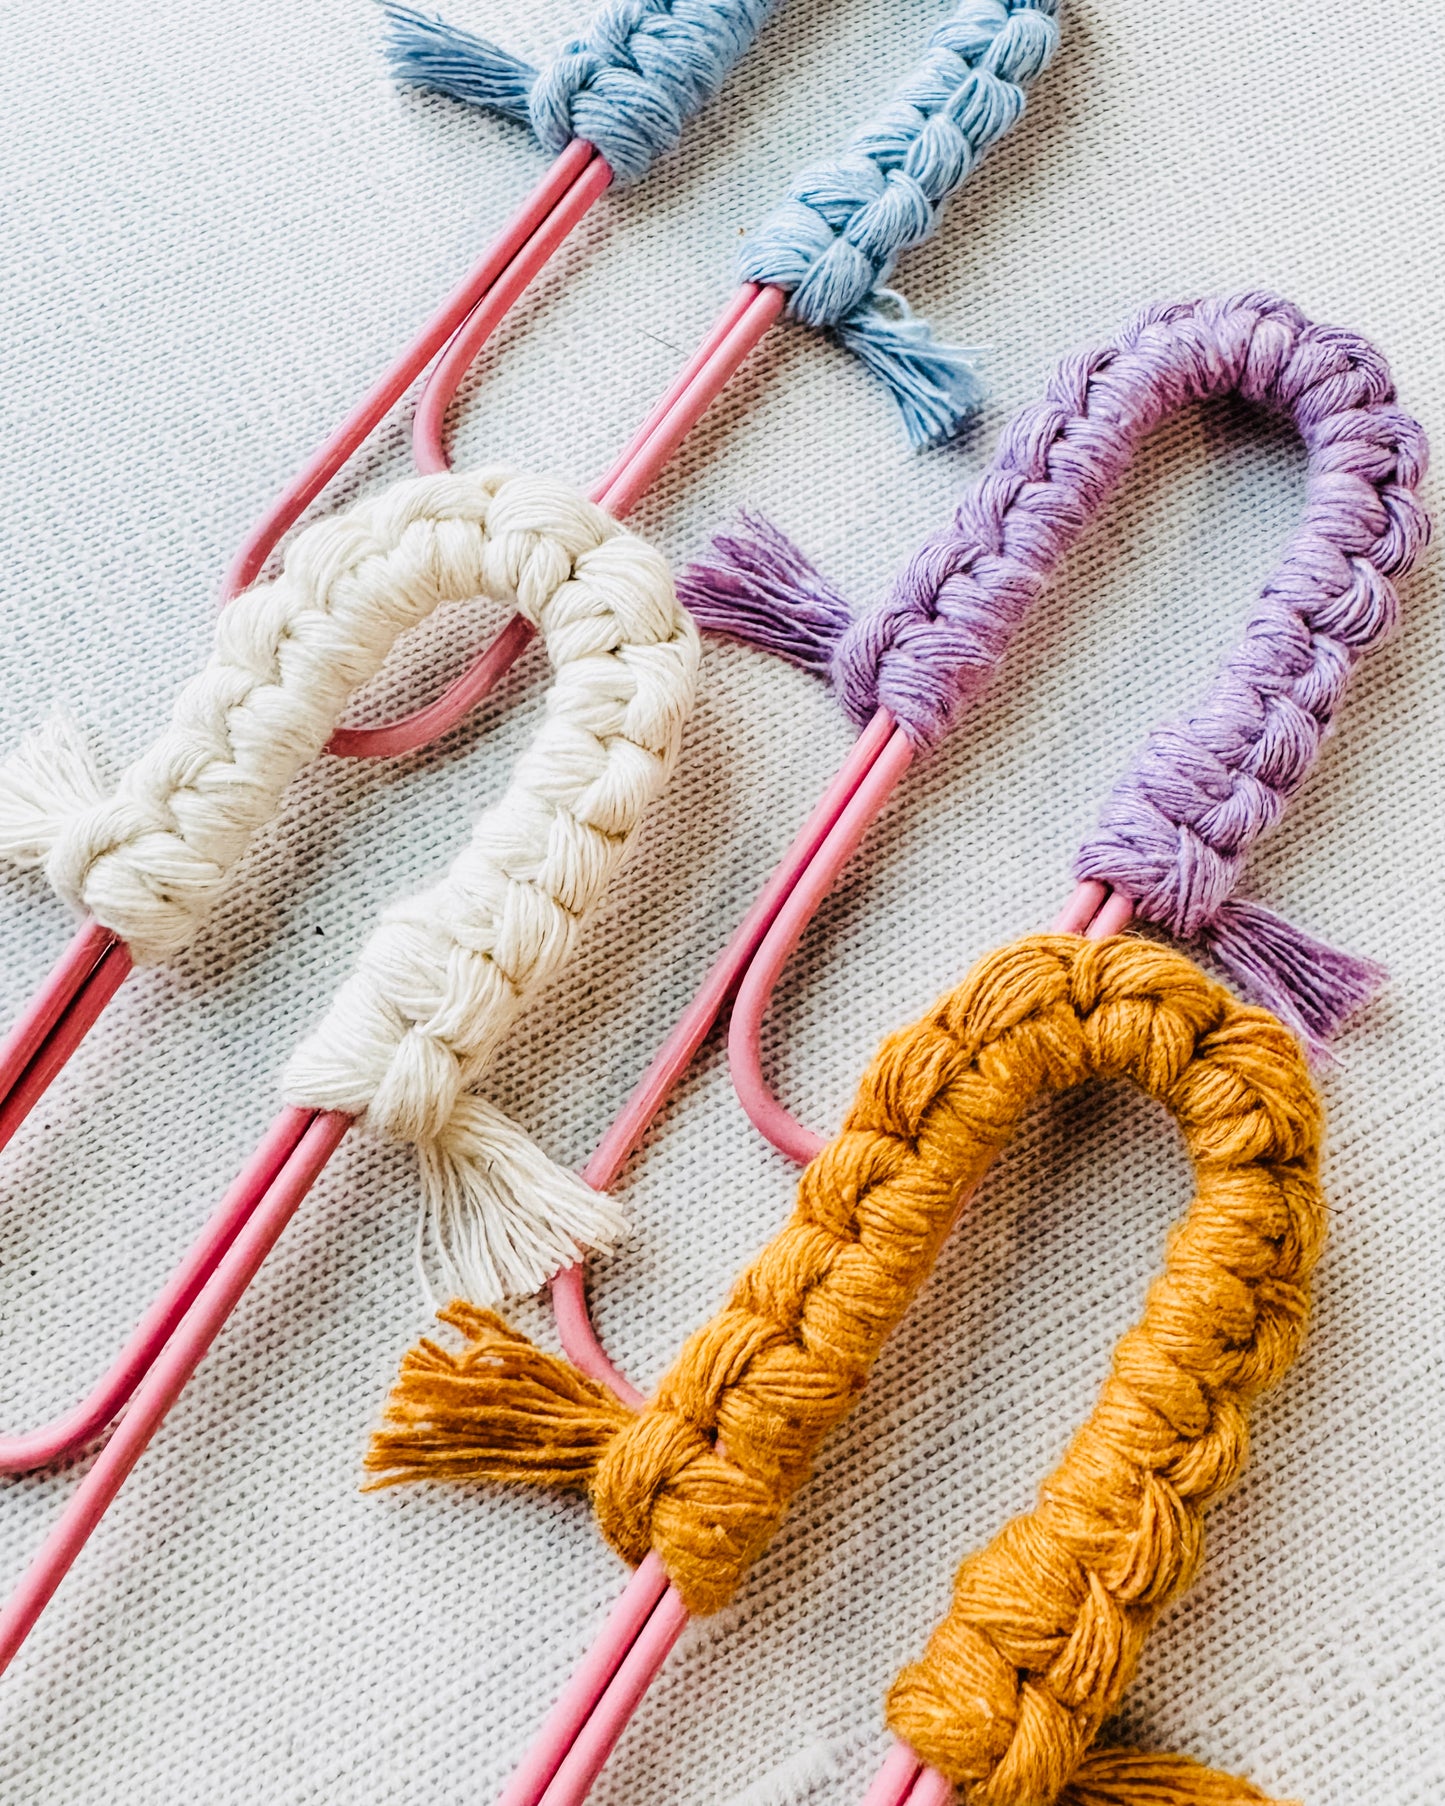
175	1334
171	1340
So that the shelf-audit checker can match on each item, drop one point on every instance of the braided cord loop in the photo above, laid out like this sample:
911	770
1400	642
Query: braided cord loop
833	241
627	85
1178	828
1047	1622
704	1474
413	1029
150	858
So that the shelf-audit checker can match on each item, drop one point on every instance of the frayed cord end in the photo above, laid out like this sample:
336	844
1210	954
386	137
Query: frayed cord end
759	587
498	1216
936	386
47	782
501	1410
1122	1777
425	52
1313	988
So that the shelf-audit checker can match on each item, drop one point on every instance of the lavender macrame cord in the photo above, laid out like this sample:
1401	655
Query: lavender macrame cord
1176	831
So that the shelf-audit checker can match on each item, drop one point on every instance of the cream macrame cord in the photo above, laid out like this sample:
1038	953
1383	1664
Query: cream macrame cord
150	858
412	1031
414	1028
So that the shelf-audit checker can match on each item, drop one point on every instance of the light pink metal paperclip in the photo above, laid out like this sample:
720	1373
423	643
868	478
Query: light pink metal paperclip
173	1337
96	963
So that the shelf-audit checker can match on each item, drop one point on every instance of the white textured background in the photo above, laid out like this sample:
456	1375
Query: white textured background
219	221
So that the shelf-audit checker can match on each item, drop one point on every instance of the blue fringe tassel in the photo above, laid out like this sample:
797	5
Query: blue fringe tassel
426	52
936	386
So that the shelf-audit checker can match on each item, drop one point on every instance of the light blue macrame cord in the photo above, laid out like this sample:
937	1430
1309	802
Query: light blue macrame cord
631	81
835	239
628	85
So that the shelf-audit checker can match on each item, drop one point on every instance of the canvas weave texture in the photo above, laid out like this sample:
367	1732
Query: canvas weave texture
219	224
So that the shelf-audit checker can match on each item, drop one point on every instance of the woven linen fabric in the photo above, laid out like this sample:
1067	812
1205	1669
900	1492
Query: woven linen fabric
219	223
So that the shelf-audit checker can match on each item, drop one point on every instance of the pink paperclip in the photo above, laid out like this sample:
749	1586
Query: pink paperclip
167	1345
587	1721
904	1781
96	963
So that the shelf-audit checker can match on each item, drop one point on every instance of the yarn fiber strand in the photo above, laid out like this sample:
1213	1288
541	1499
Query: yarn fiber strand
1178	828
627	85
412	1031
150	858
833	241
1047	1623
704	1474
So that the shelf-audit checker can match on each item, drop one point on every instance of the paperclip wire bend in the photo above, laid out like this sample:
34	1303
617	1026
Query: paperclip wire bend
563	182
740	328
1090	904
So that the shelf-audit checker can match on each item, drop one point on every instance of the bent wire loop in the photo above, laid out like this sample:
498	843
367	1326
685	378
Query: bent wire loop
97	962
172	1338
1210	785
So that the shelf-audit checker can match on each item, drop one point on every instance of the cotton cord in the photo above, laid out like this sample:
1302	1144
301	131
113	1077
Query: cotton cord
413	1029
1047	1623
627	85
1177	830
438	984
833	242
150	858
703	1475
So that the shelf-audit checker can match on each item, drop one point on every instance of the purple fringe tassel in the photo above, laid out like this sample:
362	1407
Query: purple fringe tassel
759	588
1310	986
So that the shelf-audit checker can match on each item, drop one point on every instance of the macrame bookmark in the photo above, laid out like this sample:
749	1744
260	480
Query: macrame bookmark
412	1031
1177	831
1048	1623
643	66
627	85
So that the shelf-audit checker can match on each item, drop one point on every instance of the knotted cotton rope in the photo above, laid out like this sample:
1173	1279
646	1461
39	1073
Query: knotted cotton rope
413	1029
1048	1623
436	988
627	85
833	241
630	82
1177	830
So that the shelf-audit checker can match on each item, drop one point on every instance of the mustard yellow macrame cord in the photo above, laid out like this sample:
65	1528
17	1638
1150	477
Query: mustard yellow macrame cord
1048	1621
1045	1633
